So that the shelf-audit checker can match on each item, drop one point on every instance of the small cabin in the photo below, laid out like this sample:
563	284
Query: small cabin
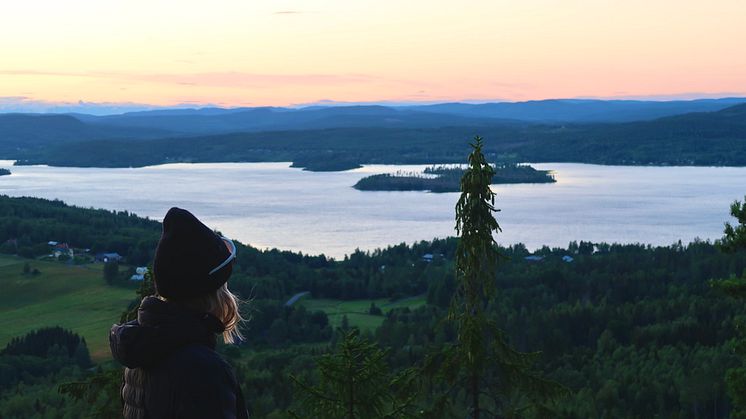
567	258
60	249
534	258
427	257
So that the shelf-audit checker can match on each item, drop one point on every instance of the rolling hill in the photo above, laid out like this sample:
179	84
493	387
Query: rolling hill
24	132
703	138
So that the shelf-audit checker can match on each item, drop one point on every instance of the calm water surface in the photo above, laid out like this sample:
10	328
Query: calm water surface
273	205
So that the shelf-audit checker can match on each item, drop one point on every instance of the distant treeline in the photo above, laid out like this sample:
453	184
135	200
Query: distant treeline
714	138
28	224
448	179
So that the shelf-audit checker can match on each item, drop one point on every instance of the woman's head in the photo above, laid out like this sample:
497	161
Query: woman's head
191	260
191	266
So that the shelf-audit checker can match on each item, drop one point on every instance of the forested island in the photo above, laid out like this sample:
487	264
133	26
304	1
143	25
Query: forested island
448	178
325	162
4	172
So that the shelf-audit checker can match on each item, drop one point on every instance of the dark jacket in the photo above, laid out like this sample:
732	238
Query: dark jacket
172	369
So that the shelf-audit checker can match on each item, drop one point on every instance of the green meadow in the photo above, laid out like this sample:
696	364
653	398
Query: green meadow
72	296
77	298
357	310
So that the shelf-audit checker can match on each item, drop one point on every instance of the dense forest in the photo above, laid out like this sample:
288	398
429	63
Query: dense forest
708	138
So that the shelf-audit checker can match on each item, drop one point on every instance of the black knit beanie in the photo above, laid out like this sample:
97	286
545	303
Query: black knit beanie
187	252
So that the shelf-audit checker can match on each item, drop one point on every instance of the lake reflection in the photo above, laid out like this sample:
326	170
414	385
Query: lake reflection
273	205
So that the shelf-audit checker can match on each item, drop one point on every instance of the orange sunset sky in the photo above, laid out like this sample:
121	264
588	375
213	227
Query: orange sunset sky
252	53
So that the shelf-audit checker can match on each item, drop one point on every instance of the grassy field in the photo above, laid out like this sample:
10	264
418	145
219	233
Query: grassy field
74	297
77	298
357	311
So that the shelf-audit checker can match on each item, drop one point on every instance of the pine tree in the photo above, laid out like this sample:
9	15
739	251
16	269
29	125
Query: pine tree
356	383
734	240
480	364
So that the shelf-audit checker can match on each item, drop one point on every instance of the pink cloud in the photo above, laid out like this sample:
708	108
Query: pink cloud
215	79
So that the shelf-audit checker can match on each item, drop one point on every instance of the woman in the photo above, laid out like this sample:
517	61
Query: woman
172	369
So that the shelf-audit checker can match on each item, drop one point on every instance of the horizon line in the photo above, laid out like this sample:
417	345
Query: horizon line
26	105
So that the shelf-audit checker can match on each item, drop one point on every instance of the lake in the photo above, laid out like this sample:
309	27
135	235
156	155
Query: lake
273	205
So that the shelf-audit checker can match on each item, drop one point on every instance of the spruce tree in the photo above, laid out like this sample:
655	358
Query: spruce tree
480	367
355	382
734	240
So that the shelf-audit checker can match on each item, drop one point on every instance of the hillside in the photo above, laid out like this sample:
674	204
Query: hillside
705	138
213	121
27	133
74	297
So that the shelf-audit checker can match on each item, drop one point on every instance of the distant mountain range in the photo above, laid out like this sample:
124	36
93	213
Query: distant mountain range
340	138
217	120
582	111
27	131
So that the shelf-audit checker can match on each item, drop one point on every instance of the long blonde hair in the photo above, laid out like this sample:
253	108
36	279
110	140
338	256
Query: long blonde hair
224	305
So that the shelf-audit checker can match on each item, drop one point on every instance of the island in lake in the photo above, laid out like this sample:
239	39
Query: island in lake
4	172
448	178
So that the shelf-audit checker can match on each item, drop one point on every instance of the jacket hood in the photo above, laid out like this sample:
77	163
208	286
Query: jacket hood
161	329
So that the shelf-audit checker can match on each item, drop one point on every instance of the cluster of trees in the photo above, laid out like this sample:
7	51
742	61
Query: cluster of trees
31	367
276	324
56	339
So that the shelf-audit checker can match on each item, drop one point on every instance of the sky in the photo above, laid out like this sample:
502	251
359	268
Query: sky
130	53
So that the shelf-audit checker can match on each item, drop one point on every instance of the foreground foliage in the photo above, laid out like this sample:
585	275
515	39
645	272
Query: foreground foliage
355	383
734	241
